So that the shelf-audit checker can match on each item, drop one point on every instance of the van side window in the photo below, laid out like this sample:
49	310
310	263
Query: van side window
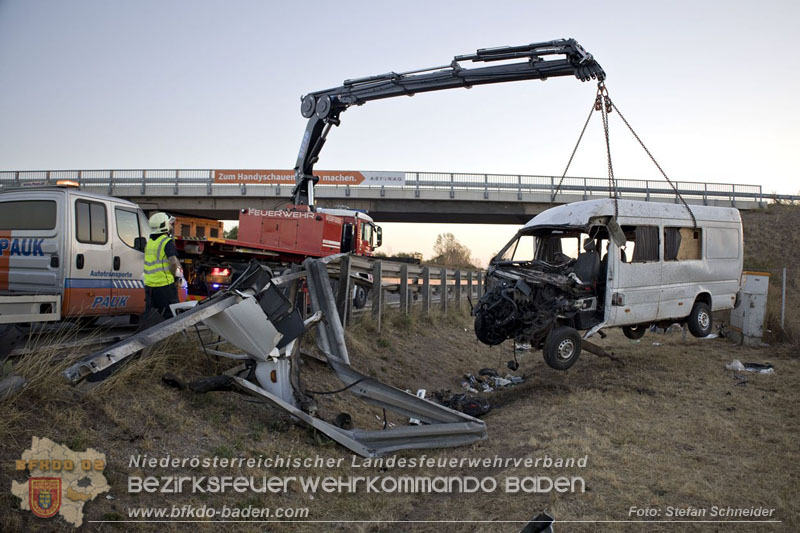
91	223
682	244
642	244
144	225
28	215
127	225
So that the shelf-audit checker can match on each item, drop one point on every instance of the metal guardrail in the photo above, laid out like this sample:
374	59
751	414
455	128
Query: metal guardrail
418	182
424	285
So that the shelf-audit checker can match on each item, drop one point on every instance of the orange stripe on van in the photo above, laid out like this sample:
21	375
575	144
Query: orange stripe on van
4	263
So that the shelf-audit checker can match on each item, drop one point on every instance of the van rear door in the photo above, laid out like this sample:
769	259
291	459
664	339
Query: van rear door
31	247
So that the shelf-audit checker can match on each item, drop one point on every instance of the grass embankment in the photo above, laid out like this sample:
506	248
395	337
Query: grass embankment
772	242
671	427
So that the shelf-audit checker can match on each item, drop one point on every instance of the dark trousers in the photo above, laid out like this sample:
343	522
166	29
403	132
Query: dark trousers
160	298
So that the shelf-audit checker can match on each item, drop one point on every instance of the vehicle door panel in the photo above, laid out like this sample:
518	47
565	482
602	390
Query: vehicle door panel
638	284
127	290
88	289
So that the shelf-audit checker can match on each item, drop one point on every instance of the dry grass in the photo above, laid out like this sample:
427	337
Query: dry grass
671	427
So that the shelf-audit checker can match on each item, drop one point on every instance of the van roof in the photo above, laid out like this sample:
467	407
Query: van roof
578	214
30	191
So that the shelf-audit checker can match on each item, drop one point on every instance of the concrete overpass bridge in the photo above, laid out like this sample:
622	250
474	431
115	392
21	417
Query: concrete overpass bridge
387	196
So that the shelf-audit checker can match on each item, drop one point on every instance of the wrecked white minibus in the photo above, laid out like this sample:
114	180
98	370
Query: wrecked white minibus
581	267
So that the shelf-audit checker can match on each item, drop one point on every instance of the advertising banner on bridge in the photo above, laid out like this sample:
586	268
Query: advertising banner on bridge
326	177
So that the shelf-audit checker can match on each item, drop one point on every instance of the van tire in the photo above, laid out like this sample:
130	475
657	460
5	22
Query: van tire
360	298
699	320
634	332
562	347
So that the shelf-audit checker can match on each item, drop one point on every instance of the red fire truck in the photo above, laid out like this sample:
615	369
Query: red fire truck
275	237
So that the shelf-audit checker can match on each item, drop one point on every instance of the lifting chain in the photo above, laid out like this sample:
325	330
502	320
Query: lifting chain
653	159
605	105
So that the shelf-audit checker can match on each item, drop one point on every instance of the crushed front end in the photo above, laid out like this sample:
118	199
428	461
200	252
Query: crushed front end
544	279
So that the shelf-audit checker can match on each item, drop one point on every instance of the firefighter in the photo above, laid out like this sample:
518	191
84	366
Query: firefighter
162	271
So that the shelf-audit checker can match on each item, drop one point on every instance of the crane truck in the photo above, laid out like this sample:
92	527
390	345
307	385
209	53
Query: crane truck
72	241
256	315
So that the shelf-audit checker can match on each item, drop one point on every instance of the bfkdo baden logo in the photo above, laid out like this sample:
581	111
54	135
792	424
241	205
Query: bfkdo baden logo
44	495
61	480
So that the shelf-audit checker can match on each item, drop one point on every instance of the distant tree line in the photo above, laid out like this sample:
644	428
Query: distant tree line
447	252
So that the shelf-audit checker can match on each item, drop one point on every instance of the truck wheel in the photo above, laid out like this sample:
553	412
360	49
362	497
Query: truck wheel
634	332
699	320
562	348
360	297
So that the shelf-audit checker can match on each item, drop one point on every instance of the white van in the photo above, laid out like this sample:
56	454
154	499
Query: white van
65	253
585	266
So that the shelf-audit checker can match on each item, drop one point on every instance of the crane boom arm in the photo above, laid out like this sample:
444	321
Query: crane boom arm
322	108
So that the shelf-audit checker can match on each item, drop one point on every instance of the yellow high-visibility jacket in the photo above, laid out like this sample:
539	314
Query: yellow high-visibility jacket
156	263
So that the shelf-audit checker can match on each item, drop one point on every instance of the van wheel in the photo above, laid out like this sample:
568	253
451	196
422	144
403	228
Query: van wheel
360	298
635	332
562	348
699	320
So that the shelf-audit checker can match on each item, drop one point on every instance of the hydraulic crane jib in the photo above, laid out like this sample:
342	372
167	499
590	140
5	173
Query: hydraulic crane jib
322	108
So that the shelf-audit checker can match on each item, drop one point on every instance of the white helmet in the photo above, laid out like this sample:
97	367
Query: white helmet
160	223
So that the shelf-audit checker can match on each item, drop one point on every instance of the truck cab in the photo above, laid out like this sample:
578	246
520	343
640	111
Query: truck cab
360	234
65	253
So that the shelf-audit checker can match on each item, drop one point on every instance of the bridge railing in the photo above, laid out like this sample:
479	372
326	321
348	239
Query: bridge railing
419	182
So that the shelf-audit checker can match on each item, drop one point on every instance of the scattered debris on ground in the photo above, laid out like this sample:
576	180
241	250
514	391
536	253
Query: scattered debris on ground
761	368
466	403
488	380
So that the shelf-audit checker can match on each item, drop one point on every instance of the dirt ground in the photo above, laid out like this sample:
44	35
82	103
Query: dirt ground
669	428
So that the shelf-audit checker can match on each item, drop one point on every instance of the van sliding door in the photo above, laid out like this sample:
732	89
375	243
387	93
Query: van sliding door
683	268
637	278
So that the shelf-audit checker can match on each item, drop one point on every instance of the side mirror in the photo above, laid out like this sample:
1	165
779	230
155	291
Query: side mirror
379	231
140	243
